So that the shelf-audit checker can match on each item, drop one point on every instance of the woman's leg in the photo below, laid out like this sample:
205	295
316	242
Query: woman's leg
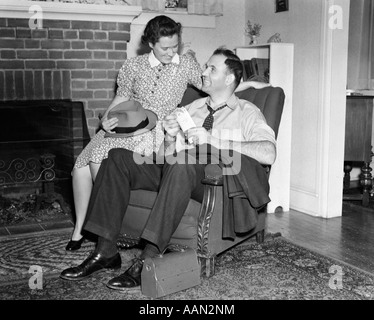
94	169
82	187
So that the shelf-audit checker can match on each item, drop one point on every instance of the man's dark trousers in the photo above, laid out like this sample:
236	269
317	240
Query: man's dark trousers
119	174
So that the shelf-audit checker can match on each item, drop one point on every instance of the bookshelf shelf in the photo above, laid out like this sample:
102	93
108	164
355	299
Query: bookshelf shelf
281	56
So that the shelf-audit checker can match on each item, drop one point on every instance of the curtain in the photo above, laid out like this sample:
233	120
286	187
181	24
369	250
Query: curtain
205	7
361	45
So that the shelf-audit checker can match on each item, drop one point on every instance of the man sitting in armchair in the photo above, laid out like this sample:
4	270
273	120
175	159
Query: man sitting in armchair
176	181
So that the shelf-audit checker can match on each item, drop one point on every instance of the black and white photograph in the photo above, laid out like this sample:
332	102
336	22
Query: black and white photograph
186	156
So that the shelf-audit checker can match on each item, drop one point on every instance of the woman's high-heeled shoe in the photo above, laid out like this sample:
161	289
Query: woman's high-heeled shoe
74	245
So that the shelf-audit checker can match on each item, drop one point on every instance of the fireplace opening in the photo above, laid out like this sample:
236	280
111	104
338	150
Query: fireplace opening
39	142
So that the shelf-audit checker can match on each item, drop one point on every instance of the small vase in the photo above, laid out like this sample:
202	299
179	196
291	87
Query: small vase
253	40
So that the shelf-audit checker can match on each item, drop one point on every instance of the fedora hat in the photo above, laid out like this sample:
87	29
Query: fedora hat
133	119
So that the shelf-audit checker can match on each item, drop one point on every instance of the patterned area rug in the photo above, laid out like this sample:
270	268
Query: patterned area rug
276	270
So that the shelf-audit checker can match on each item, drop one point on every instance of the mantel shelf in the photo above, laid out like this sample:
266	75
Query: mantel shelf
69	11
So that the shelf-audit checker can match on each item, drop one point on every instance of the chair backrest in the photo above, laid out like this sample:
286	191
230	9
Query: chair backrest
269	100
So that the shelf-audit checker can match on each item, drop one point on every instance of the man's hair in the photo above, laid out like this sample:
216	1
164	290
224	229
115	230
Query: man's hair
233	63
160	26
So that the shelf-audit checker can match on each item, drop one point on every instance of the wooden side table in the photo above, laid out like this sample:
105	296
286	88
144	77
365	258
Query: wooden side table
358	132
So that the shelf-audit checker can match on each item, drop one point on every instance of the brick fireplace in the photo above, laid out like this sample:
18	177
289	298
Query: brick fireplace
65	59
73	58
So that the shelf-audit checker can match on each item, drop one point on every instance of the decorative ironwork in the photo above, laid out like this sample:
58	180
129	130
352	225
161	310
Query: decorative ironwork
31	170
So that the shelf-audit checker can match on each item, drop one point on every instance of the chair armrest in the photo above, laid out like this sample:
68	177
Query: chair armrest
213	175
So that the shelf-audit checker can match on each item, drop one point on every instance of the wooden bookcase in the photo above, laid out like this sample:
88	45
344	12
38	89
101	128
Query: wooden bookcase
281	56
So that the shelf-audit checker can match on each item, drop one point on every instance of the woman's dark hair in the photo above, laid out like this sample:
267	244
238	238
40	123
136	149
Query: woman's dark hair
233	63
160	26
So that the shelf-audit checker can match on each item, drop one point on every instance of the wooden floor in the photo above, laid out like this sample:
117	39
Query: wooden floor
349	238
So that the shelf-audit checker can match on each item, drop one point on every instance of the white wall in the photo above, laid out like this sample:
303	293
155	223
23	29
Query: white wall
301	26
318	97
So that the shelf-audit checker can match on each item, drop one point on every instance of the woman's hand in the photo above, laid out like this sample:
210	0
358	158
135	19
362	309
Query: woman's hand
109	124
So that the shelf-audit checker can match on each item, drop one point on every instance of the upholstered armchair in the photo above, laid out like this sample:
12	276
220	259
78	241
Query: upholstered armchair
201	225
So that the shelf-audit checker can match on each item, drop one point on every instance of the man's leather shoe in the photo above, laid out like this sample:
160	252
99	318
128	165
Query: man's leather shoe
129	279
94	263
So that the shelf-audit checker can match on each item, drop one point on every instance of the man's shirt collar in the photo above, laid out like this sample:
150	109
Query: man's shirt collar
154	62
231	102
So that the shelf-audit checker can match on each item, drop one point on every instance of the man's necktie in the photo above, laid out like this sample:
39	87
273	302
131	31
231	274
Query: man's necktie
208	122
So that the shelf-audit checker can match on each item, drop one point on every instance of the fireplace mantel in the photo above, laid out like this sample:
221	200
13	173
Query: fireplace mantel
70	11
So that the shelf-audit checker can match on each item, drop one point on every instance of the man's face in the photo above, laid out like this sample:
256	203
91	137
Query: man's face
166	48
215	74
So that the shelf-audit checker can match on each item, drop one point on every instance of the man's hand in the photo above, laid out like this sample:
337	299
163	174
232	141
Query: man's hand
198	136
109	124
171	125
